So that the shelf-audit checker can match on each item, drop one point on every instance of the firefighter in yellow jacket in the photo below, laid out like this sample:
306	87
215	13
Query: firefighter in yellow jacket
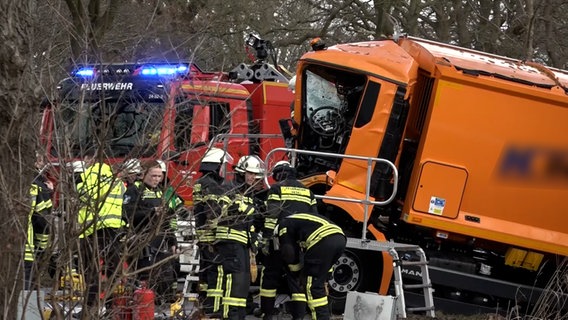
100	222
207	192
38	226
232	237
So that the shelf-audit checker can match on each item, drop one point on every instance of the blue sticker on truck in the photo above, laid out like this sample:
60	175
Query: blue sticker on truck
437	206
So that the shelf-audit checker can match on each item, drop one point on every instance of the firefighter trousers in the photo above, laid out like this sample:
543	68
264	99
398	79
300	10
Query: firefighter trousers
236	280
271	278
210	279
100	254
318	261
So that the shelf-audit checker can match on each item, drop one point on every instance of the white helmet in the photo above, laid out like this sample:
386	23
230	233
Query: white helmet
251	164
215	155
283	170
213	159
132	166
280	165
162	165
77	166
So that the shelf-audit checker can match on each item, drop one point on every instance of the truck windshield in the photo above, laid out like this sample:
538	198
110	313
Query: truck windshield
124	128
331	100
322	101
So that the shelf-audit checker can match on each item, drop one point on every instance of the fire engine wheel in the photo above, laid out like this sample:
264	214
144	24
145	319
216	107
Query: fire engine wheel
350	274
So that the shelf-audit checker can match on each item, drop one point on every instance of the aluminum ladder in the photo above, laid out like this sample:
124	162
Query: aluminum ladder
393	249
189	263
188	259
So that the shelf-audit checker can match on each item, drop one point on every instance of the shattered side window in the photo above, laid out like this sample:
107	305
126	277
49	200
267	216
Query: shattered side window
320	93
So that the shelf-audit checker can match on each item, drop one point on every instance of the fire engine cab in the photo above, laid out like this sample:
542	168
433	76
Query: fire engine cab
173	112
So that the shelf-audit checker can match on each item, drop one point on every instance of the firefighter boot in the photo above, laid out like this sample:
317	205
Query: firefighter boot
297	309
267	307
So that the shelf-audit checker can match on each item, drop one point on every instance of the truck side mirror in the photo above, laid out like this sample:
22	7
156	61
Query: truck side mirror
286	129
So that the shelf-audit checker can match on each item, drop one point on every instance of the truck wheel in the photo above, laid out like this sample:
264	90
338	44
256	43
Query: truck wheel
349	274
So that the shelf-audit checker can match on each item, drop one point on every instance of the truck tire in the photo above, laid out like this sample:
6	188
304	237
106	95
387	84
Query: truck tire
355	270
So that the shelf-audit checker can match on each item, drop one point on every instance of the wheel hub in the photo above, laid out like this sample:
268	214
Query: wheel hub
345	275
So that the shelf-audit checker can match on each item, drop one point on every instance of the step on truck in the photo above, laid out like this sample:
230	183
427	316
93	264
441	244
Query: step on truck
480	143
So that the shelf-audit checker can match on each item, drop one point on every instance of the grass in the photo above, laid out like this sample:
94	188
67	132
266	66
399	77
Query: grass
552	304
442	316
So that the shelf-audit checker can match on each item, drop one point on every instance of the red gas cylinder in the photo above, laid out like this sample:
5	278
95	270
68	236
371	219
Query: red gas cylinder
143	308
121	303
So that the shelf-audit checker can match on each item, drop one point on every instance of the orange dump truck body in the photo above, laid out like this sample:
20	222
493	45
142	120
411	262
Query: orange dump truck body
480	143
492	150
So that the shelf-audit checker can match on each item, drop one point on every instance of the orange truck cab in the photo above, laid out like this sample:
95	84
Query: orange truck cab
480	143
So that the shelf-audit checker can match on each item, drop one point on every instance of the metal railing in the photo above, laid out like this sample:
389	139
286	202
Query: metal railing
370	160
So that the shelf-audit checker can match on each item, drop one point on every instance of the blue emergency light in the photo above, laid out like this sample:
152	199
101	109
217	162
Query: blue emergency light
85	72
156	70
163	70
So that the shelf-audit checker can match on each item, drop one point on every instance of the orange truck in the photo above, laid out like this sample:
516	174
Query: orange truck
480	144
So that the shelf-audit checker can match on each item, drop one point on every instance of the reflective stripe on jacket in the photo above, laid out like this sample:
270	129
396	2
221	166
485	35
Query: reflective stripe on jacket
41	206
285	198
236	219
207	192
101	196
306	229
29	246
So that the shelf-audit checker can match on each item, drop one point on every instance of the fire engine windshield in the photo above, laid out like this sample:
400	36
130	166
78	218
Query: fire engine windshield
124	128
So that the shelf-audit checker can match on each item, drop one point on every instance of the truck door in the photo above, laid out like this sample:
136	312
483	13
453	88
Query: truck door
196	125
191	134
376	132
200	125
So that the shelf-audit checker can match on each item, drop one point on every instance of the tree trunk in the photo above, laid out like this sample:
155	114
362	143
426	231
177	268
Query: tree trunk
529	43
16	145
90	23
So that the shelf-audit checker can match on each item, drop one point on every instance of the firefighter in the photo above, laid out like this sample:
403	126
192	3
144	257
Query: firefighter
286	197
152	220
207	193
175	202
38	227
100	221
310	245
249	172
232	241
131	171
41	192
29	254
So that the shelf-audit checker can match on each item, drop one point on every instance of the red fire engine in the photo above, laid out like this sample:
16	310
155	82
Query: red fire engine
171	111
